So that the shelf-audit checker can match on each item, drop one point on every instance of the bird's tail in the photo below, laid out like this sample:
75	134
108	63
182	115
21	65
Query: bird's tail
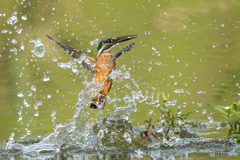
98	101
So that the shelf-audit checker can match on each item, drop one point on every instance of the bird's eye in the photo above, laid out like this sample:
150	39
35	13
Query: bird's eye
109	41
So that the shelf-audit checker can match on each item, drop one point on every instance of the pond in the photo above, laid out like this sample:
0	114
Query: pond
188	50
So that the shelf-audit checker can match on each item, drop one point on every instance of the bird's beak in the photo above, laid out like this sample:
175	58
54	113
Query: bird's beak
123	38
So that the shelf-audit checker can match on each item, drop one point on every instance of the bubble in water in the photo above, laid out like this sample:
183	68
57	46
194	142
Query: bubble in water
45	78
36	113
13	19
24	17
39	50
19	94
33	88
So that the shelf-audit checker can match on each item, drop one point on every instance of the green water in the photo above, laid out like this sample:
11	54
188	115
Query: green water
197	41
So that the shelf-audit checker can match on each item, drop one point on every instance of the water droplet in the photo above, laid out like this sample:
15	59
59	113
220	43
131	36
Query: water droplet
149	68
179	111
33	88
39	135
29	93
14	41
196	110
100	32
36	113
171	76
199	91
13	19
169	47
42	19
91	43
150	112
234	76
24	17
218	126
19	30
158	5
153	48
53	8
45	78
88	50
22	46
57	91
39	50
177	91
203	111
4	31
213	46
222	25
177	60
19	94
175	82
49	96
199	104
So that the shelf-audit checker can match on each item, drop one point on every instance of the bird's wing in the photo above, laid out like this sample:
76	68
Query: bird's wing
124	50
87	62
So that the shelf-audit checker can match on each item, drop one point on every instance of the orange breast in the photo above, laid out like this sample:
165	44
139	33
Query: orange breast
104	66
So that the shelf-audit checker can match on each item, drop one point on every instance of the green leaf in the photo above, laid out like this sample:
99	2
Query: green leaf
235	108
235	135
218	108
153	126
231	121
168	97
164	109
238	102
156	121
164	97
146	121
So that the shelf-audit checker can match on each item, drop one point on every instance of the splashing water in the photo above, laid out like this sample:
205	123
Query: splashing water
112	133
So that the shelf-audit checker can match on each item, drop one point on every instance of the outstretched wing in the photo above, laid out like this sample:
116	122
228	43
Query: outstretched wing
124	50
77	54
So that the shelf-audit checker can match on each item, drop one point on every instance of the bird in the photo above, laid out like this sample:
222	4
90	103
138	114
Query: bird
101	66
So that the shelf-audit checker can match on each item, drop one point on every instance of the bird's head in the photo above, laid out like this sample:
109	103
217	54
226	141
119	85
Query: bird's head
107	44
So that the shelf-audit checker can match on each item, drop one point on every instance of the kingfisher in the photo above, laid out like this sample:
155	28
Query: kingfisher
101	66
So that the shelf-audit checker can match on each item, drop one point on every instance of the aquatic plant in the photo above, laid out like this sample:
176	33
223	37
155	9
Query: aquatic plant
232	114
170	124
